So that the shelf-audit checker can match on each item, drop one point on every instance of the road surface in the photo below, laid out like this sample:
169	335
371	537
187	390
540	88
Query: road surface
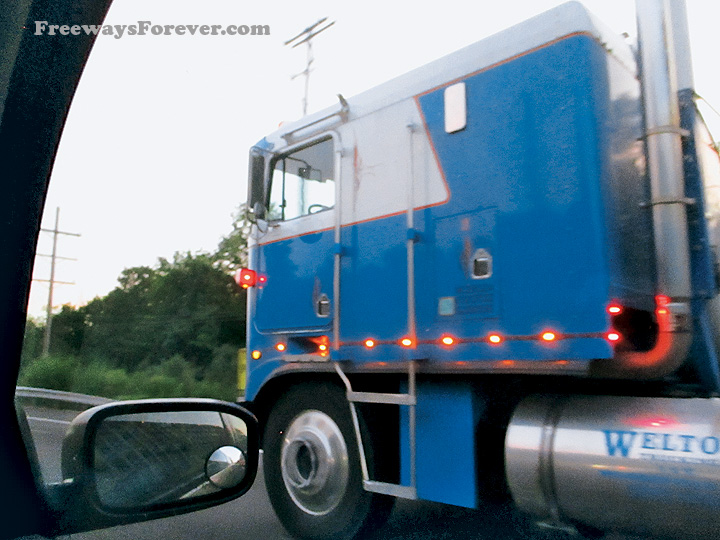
251	516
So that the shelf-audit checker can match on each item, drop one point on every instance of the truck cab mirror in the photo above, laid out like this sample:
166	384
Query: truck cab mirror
258	211
138	460
257	179
258	216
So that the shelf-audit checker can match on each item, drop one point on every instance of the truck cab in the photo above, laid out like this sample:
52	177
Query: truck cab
485	259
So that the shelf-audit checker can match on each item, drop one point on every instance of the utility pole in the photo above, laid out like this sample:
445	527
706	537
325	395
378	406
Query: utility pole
306	37
52	281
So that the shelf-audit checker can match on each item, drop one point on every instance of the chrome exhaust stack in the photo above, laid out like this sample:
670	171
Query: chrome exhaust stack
665	61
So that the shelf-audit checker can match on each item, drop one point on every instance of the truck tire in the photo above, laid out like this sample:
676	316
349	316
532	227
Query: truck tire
312	467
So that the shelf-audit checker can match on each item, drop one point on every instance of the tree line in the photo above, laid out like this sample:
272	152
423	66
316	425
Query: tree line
170	330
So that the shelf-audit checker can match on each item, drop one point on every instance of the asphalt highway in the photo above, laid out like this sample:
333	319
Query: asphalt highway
251	516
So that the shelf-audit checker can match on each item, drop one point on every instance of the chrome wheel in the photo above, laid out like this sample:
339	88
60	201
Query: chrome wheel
312	467
314	462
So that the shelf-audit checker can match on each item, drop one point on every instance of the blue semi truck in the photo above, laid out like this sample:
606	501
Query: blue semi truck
493	280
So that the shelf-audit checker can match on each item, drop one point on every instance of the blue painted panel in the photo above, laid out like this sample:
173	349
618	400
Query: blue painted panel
447	414
702	256
298	271
525	177
631	250
374	280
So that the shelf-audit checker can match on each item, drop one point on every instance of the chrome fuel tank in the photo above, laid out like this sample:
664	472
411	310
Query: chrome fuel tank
648	466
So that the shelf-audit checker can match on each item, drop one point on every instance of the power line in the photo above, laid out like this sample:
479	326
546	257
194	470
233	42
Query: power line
52	281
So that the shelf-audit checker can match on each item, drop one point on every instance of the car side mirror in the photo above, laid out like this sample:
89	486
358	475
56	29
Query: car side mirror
137	460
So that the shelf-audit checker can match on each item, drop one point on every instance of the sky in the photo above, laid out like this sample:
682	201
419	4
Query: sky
153	158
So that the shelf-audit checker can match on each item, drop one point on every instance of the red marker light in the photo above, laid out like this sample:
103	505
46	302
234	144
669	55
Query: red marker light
661	300
246	278
369	343
648	421
447	340
613	336
495	339
262	279
614	309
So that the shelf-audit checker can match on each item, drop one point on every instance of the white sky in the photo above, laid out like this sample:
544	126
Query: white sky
153	158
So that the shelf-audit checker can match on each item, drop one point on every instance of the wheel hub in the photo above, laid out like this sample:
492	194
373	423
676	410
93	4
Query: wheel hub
314	462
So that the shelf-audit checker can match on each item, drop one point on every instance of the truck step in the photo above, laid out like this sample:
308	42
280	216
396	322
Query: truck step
377	397
395	490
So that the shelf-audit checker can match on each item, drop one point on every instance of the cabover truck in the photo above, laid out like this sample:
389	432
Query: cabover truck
493	281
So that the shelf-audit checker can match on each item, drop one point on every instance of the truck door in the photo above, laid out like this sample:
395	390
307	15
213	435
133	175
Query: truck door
296	253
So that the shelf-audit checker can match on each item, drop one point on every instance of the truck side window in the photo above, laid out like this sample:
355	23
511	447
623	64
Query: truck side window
303	182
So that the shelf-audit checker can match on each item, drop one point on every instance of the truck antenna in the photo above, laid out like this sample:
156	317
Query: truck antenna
306	37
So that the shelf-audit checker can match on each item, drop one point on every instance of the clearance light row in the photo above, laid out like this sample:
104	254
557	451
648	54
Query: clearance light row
547	336
247	278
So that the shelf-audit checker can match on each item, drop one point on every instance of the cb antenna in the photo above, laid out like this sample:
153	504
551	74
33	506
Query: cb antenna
306	37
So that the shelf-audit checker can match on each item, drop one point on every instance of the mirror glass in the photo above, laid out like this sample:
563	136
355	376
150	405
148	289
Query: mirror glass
146	459
226	467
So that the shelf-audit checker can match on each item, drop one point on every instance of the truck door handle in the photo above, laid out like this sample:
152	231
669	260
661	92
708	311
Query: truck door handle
322	307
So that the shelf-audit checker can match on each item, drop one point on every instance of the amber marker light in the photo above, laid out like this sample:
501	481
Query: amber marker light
495	339
369	343
246	278
280	347
406	342
448	340
322	347
549	336
256	355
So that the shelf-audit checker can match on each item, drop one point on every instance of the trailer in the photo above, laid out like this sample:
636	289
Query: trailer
493	281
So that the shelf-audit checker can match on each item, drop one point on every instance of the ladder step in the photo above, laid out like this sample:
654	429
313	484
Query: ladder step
376	397
396	490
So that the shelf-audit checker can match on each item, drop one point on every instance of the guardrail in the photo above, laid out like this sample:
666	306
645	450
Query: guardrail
58	399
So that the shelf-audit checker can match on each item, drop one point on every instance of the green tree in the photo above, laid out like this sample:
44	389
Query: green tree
231	253
168	330
187	307
33	341
67	332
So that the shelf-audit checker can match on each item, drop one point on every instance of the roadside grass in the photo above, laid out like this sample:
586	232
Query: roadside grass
172	377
